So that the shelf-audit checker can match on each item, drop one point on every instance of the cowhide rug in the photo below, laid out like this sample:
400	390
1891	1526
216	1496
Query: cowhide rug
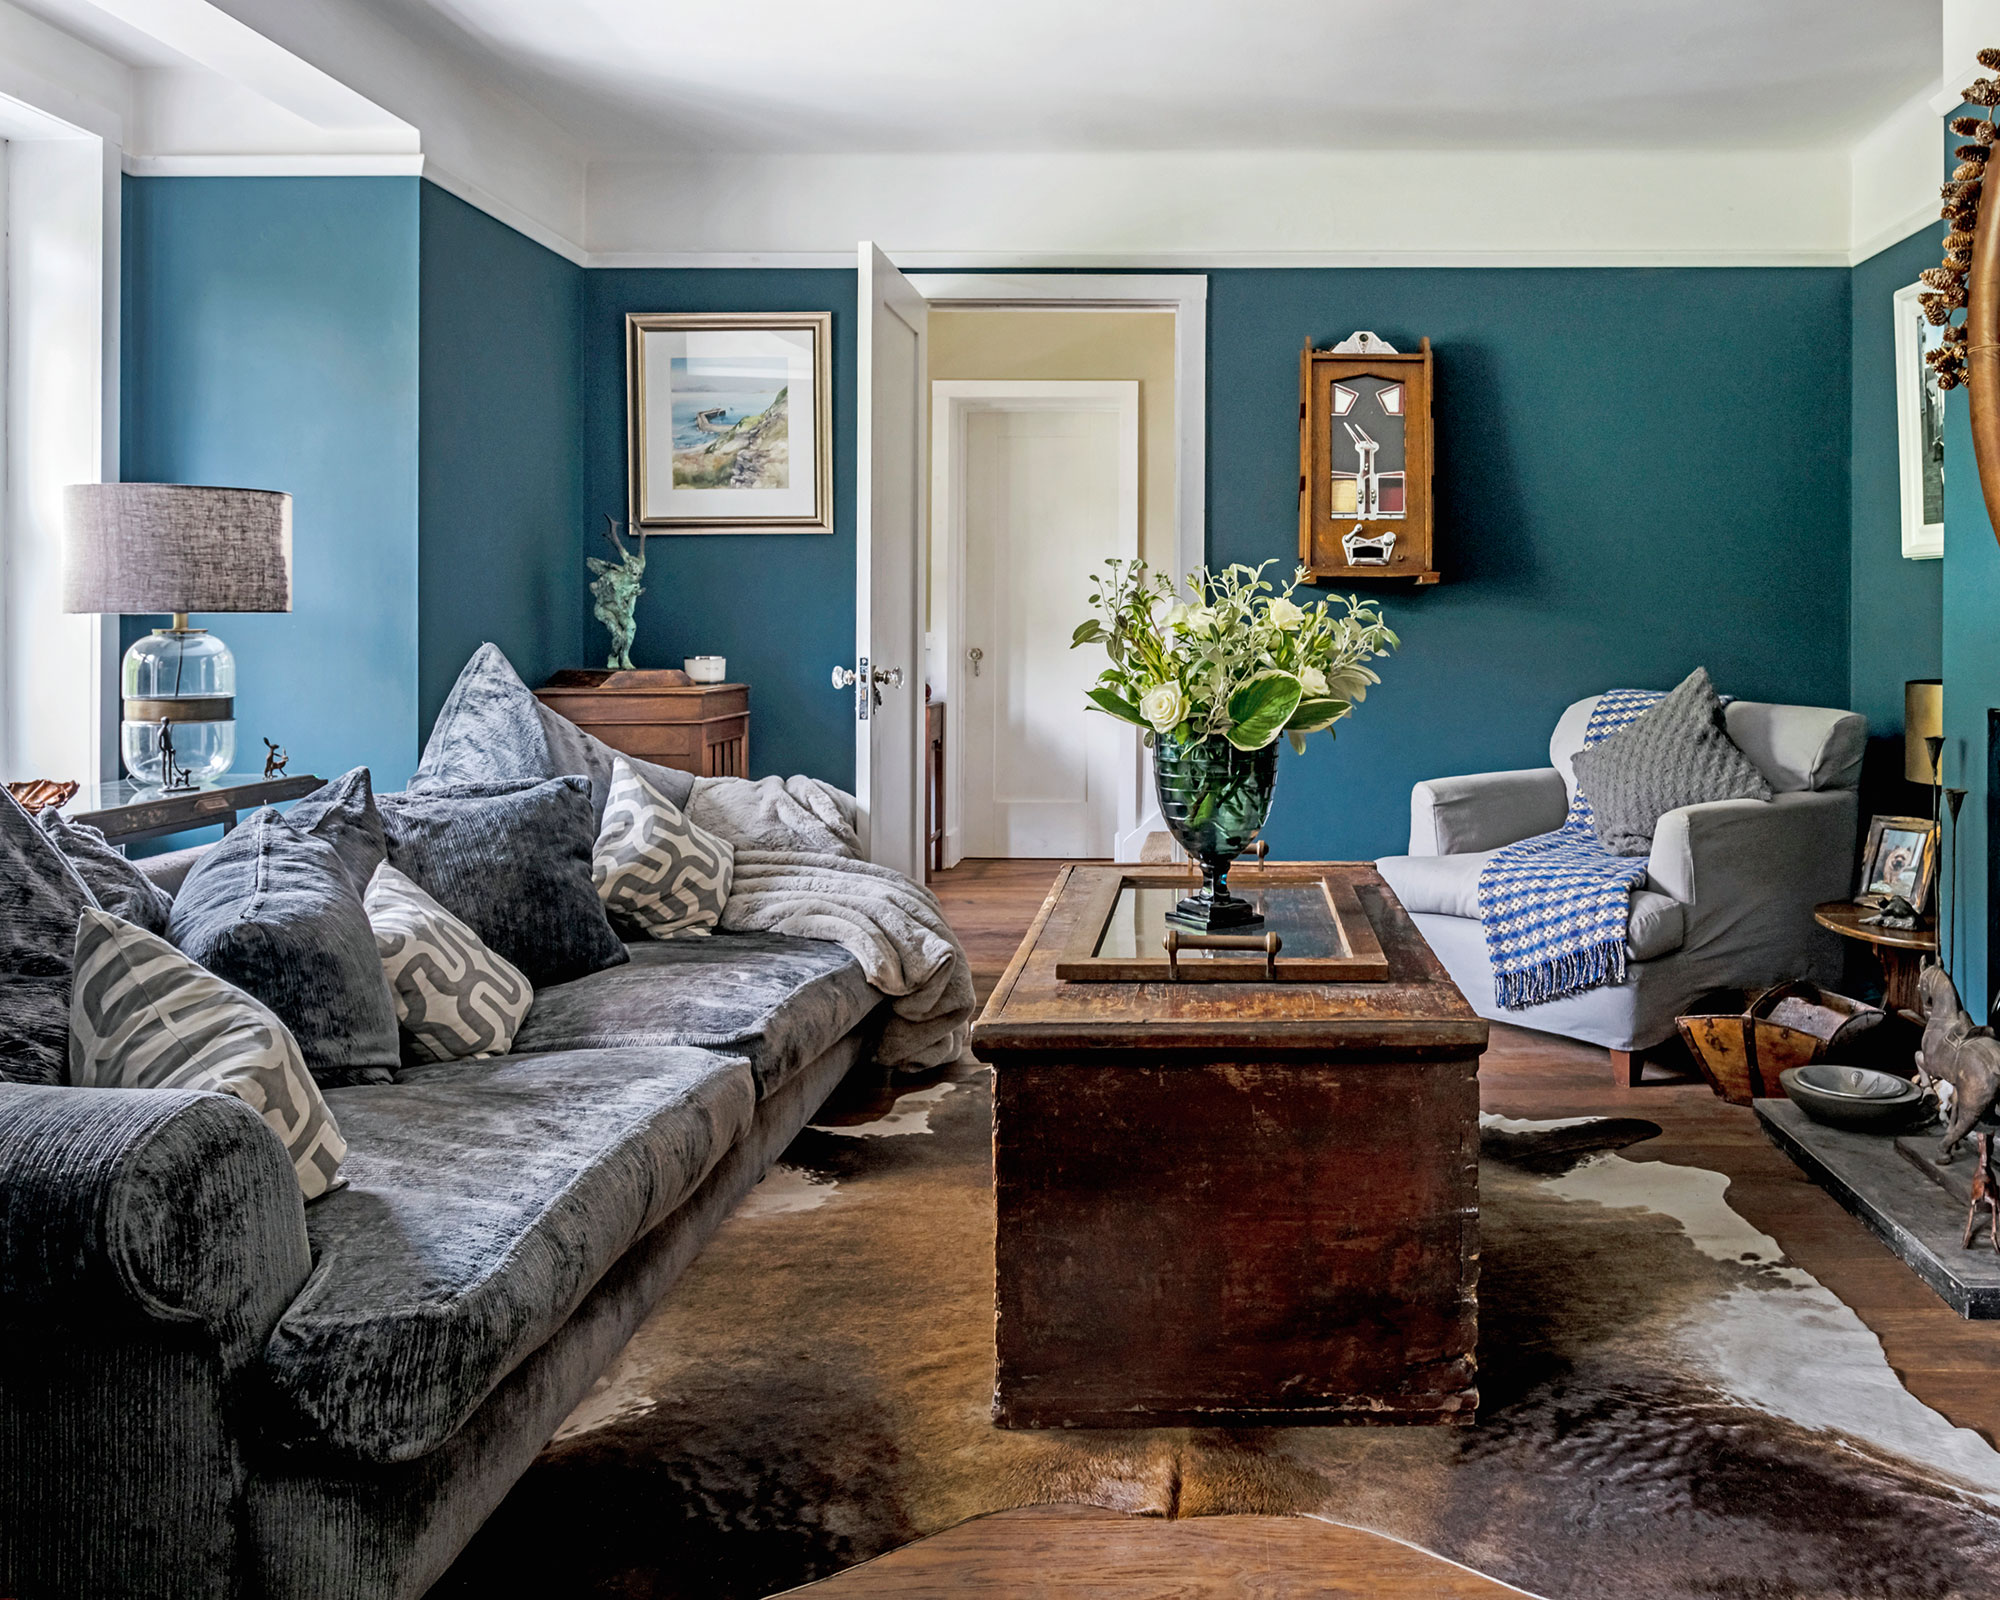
1668	1407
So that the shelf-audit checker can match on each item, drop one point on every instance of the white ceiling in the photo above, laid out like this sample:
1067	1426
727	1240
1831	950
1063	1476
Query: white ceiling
638	79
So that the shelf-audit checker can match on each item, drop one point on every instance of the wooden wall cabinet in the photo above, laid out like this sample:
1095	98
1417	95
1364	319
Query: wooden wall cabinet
1366	451
703	728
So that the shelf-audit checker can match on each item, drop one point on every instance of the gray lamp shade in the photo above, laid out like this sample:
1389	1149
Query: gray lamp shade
144	547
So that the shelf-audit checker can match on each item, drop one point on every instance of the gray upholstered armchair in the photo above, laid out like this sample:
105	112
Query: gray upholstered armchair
1729	891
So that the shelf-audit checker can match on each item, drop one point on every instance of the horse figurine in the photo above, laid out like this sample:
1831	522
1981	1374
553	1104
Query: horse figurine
1955	1052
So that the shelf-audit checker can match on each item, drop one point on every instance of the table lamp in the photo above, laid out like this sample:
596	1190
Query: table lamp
153	547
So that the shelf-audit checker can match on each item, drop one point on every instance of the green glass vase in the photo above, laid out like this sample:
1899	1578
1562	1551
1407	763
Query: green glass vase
1214	798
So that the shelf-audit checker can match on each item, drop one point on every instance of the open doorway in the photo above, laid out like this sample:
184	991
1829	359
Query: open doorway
1066	427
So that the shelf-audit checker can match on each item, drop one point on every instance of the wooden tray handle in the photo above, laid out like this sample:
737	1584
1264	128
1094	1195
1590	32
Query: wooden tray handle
1176	942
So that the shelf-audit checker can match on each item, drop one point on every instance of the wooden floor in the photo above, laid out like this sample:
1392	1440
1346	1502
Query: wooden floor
1949	1364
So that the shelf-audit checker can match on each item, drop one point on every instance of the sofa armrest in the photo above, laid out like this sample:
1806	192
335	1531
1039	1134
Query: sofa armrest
1484	810
1787	854
161	1206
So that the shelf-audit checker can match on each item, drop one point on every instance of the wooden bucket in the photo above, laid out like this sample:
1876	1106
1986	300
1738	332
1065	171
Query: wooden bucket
1790	1025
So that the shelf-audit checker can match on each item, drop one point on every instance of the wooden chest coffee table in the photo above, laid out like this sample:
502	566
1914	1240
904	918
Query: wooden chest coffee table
1232	1202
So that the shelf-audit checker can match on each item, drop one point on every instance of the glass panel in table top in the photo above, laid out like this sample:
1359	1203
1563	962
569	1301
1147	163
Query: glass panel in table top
1296	912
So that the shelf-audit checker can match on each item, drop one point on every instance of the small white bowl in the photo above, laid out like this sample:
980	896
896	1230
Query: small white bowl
705	669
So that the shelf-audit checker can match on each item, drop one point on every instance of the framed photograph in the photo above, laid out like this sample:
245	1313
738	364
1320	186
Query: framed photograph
1900	858
1919	429
729	421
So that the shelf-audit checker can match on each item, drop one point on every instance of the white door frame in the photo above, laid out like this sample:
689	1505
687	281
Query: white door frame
953	402
1183	294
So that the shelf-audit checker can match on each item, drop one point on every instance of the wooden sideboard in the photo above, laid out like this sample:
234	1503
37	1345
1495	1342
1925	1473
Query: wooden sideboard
703	728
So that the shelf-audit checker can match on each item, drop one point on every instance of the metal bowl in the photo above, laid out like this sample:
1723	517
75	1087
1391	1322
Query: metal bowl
1853	1083
1856	1097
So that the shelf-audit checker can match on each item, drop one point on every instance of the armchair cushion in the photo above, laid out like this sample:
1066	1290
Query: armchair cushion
1448	885
1795	747
1449	816
1674	754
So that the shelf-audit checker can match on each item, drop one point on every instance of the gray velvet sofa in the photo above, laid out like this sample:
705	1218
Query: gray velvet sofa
208	1388
1730	885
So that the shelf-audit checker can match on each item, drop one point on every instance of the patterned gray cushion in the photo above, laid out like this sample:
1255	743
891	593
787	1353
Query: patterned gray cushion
41	898
143	1016
655	869
512	861
492	728
1675	755
114	882
454	997
272	909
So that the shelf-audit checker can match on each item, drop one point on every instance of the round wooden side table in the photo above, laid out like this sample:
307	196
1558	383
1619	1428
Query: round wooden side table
1900	950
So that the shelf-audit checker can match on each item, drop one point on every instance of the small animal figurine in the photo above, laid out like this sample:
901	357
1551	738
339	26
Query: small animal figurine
274	762
1954	1052
1983	1194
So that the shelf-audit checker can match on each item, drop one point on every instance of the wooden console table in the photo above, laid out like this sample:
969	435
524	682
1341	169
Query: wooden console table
1243	1202
660	716
126	812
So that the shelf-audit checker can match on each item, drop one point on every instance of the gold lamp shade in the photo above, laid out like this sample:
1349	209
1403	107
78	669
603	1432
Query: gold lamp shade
1923	719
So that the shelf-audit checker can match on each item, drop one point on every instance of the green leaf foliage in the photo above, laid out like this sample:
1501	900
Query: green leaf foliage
1112	705
1260	709
1314	714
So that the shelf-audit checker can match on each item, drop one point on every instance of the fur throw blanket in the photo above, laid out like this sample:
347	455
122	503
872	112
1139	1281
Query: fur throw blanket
799	872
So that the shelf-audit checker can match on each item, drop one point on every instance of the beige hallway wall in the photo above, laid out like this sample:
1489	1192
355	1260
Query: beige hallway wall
1075	346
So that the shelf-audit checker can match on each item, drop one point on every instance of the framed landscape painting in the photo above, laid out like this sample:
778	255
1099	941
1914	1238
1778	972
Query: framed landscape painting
729	421
1919	429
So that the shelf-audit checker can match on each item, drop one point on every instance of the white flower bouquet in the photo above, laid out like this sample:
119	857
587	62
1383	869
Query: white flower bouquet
1241	661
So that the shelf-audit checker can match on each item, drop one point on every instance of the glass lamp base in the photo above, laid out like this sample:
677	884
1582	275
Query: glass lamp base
203	751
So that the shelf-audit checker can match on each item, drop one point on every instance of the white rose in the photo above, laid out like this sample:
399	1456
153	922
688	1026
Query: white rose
1314	681
1197	619
1163	707
1284	615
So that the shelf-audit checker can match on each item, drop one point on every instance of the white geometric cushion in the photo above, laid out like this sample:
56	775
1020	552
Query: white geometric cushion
455	996
144	1016
655	868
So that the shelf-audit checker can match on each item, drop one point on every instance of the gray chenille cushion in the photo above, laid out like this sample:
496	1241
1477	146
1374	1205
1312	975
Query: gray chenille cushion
1675	755
271	909
779	1001
493	728
117	884
342	811
41	900
512	861
484	1200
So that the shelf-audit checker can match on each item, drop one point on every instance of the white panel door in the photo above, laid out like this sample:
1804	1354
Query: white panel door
1044	499
889	570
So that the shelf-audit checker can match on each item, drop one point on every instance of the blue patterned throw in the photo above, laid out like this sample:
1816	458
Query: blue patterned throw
1555	906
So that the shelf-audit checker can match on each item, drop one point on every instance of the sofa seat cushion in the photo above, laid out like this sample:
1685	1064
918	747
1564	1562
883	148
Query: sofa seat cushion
779	1001
485	1199
1449	886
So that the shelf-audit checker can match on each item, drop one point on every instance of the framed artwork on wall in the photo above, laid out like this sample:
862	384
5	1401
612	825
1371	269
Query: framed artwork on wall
729	421
1919	429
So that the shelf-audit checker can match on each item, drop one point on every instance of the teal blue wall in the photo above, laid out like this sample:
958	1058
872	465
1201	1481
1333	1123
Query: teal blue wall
1639	473
270	341
500	472
1971	686
1896	621
780	607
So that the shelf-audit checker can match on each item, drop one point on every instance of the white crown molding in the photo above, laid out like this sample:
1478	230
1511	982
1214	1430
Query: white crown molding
1221	260
285	166
501	211
1894	234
